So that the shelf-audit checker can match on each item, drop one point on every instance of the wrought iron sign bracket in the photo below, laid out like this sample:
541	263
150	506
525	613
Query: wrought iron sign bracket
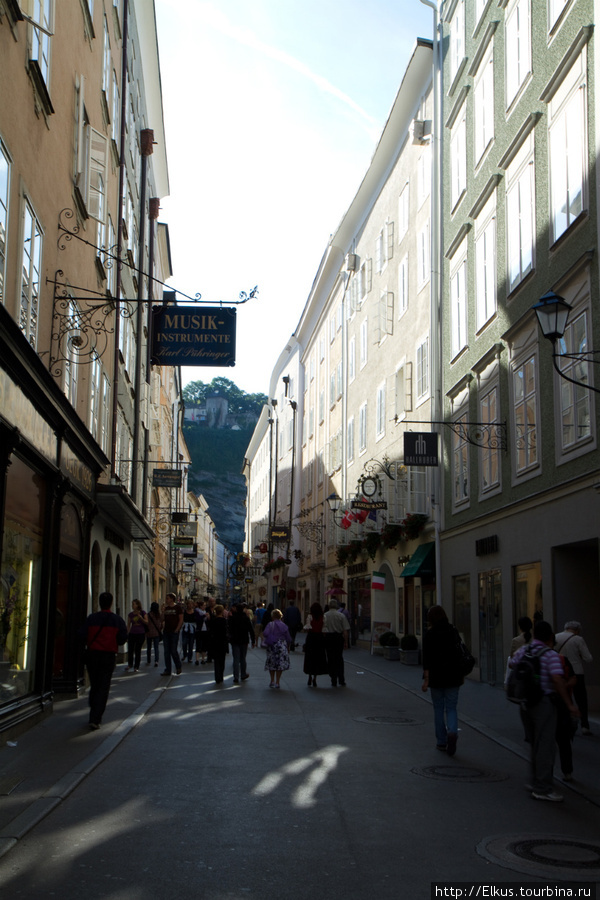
487	435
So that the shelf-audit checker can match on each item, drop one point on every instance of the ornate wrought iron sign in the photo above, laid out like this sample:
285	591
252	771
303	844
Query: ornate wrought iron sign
193	336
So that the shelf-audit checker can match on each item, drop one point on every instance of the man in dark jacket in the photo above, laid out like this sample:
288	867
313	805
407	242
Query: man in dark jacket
241	633
293	620
104	633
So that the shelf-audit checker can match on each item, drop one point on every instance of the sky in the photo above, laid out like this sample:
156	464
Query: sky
273	110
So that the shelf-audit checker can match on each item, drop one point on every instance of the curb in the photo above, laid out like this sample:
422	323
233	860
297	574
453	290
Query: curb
54	796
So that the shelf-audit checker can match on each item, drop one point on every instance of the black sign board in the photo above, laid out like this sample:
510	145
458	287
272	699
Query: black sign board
279	534
170	478
421	448
193	335
368	504
179	518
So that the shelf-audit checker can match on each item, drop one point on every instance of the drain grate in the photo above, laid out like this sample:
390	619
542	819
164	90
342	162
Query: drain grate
544	855
387	720
458	773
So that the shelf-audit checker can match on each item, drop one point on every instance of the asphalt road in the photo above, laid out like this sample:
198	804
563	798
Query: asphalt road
240	791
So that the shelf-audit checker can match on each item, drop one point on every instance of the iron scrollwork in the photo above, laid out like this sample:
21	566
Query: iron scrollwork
488	435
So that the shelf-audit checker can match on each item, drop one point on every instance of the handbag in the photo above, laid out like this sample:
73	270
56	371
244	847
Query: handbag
467	660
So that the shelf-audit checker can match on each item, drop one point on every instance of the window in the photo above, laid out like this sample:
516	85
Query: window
403	212
380	412
321	406
458	300
106	66
403	390
424	256
41	13
332	388
92	166
352	358
485	263
362	428
385	315
480	6
30	274
525	415
458	157
424	176
457	39
70	365
460	461
403	286
4	190
574	398
363	343
350	440
423	370
520	214
484	105
517	48
568	170
339	379
384	246
489	453
555	8
365	278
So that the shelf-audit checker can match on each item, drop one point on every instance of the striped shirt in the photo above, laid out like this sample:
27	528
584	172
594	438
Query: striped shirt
550	664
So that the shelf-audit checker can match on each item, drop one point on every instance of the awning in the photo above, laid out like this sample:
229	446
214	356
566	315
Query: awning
422	562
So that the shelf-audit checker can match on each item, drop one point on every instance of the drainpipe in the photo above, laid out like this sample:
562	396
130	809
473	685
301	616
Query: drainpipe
437	246
115	397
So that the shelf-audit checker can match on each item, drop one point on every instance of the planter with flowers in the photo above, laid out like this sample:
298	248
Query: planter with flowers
391	536
391	645
371	543
273	564
409	650
412	525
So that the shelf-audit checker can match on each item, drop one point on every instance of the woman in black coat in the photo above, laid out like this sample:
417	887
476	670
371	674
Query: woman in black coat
442	673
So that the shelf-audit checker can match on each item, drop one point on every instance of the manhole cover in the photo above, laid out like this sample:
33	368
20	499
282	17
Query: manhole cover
554	855
387	720
458	773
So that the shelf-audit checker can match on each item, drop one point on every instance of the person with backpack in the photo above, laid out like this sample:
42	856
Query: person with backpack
536	680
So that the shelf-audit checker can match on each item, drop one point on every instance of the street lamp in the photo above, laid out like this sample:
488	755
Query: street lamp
335	503
552	313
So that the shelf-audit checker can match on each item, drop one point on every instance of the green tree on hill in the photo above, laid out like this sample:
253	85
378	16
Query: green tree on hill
239	401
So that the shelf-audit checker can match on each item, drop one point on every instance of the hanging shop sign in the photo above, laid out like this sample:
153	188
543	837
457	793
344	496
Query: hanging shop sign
421	448
170	478
193	336
279	534
183	541
368	504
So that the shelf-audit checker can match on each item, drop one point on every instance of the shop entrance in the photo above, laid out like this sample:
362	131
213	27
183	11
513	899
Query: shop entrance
491	654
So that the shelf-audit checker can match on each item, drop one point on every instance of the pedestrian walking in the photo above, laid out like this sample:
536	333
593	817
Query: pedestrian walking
173	622
293	619
277	639
571	644
566	725
523	637
154	633
104	632
442	675
201	633
336	628
188	631
315	656
540	717
218	643
241	633
137	626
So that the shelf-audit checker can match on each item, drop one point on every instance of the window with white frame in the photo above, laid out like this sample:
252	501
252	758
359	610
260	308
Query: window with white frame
42	21
555	9
321	406
489	454
339	383
403	286
525	415
331	328
352	358
480	6
385	315
332	388
458	299
423	370
106	65
460	461
5	164
458	157
322	349
350	440
362	428
457	38
311	421
517	47
365	278
380	412
104	432
483	96
95	397
424	256
384	246
363	342
568	166
92	166
403	212
520	214
575	398
30	273
115	120
485	262
403	390
70	364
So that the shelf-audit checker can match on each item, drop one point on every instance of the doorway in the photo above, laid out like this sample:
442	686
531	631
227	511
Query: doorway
491	656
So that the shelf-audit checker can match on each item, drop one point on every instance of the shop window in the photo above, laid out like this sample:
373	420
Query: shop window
21	571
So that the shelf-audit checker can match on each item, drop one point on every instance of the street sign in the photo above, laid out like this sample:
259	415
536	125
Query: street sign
170	478
193	335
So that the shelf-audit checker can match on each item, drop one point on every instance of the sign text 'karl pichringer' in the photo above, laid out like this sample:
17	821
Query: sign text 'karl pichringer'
193	336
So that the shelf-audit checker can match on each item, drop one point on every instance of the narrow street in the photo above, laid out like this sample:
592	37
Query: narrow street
300	793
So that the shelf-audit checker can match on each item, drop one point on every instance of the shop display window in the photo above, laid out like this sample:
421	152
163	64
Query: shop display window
20	576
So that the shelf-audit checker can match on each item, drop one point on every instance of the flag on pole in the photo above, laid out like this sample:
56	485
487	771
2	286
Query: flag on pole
378	581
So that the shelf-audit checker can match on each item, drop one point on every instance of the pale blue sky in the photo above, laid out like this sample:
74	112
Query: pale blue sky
273	109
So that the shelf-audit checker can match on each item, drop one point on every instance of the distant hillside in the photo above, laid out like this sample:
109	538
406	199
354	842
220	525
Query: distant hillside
218	456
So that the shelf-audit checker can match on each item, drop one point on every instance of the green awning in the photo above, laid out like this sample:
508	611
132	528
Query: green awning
422	562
